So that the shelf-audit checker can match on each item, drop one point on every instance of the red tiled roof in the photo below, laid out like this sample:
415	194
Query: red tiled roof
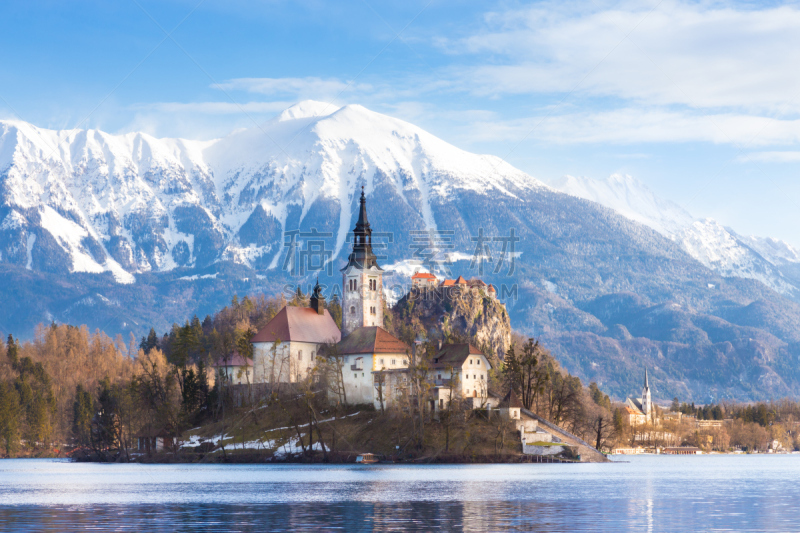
454	355
373	339
460	280
447	283
423	275
299	324
491	288
234	359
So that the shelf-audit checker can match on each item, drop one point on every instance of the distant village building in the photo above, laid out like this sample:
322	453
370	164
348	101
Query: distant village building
424	280
510	406
234	368
640	410
155	439
473	284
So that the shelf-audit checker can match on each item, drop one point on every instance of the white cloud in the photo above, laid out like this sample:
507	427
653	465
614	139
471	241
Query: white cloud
770	157
700	55
215	108
302	88
638	125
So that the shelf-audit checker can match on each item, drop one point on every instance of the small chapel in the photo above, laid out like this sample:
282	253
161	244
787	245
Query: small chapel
640	410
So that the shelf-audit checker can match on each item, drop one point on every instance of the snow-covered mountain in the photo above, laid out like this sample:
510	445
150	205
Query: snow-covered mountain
125	232
715	246
88	201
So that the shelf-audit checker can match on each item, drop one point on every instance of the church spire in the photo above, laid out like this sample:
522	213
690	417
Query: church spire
646	380
362	255
362	223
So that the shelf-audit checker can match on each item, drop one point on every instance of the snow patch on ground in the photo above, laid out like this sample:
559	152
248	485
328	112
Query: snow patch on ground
198	276
31	242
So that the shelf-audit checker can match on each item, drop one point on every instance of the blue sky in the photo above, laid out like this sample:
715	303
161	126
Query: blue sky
699	100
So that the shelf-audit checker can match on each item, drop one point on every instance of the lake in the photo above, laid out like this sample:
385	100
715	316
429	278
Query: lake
648	493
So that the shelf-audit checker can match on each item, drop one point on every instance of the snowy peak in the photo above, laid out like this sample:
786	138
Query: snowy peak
715	246
307	109
630	198
132	203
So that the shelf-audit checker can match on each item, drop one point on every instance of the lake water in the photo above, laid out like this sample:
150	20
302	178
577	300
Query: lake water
649	493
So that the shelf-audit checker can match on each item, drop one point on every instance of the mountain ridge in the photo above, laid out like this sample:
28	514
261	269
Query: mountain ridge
167	229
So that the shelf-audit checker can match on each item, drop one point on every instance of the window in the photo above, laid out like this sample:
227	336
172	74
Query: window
299	355
478	362
405	362
372	310
470	361
481	377
355	375
441	404
312	355
394	362
380	361
352	310
440	376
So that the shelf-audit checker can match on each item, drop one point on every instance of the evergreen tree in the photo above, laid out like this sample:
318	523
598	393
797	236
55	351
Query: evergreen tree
10	414
82	413
107	426
149	342
12	351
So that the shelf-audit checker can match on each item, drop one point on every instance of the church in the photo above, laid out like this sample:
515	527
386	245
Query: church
374	362
640	410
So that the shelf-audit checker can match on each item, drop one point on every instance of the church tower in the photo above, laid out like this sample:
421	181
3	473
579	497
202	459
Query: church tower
362	279
647	403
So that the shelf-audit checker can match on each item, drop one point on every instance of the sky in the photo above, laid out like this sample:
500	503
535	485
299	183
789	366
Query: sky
698	100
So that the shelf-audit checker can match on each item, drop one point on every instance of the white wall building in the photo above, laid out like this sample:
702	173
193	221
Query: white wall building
235	369
464	366
286	348
375	366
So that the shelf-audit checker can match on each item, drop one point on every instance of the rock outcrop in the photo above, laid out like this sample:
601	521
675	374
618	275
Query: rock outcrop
457	313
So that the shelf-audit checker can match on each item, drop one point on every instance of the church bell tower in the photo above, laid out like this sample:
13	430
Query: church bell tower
362	279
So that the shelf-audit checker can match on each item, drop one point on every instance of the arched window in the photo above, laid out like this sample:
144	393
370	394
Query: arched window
352	310
474	394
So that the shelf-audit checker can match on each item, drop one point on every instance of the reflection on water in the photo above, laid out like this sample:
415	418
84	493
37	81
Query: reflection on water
662	493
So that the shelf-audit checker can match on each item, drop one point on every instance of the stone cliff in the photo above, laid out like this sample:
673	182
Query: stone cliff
455	314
